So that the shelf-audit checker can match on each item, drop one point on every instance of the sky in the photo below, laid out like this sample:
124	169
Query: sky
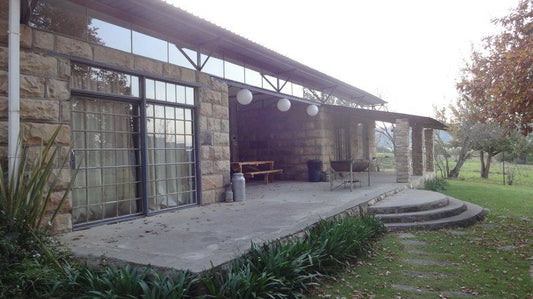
409	53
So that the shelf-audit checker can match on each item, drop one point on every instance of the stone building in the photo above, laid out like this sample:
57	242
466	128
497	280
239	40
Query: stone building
145	96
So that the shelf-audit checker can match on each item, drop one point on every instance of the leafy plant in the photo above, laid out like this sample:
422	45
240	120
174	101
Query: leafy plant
287	270
25	197
180	284
337	241
436	184
30	263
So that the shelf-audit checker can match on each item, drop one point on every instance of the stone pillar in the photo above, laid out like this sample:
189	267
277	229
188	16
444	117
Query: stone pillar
360	147
417	152
370	142
401	155
428	144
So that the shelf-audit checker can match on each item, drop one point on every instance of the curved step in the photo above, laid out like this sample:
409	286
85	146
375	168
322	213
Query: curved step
454	207
472	214
410	201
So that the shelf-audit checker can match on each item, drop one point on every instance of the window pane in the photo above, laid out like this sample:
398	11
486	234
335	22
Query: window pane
176	57
160	92
297	90
181	94
171	93
96	79
165	174
110	35
111	154
233	72
149	46
213	66
61	17
287	89
189	95
252	77
150	89
270	82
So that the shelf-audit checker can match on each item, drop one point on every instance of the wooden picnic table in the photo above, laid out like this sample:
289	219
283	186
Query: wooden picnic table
252	168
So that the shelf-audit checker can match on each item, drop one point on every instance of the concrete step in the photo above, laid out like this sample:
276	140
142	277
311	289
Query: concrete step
454	207
471	215
410	200
418	209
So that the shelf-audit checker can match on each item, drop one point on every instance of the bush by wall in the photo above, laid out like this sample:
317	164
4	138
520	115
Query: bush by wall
437	184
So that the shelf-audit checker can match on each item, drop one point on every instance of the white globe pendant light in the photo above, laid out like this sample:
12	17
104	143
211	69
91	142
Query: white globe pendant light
284	105
312	110
244	96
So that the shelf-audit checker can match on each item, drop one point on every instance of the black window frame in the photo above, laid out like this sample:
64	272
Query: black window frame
141	103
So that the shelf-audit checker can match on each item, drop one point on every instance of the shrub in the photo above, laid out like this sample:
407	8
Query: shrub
29	260
338	241
278	270
180	284
436	184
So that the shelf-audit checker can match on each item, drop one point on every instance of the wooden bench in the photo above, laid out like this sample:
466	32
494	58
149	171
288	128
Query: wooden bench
269	174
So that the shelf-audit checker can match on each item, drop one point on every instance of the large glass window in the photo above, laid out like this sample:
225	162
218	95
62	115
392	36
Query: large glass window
171	160
62	17
233	71
149	46
110	35
106	150
176	57
85	77
107	146
252	77
213	66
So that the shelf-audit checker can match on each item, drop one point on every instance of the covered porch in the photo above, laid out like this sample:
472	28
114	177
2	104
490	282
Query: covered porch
196	237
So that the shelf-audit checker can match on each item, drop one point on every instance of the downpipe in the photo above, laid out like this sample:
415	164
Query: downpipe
13	154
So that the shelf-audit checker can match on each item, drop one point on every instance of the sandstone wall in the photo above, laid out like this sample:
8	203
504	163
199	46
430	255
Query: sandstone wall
45	101
401	156
417	153
289	138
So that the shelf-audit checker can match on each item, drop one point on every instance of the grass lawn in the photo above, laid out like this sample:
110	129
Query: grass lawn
523	174
490	259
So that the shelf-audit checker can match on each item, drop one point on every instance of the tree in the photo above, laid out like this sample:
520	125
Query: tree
385	135
460	121
499	79
489	139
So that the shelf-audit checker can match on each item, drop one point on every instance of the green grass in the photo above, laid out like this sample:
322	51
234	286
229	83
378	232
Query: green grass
386	161
481	266
471	172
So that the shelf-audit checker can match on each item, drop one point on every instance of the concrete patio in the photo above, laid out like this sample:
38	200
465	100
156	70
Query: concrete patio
196	237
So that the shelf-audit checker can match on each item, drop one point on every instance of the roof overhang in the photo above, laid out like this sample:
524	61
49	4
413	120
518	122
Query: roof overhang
391	117
199	34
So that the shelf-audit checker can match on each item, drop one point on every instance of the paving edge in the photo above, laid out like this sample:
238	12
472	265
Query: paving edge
94	261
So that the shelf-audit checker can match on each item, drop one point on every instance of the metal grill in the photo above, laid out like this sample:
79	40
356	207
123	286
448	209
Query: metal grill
106	150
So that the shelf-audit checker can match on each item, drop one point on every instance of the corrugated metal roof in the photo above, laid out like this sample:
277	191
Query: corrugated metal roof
197	33
423	121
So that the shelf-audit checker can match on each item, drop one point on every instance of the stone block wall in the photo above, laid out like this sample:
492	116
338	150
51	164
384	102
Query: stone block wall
428	146
401	156
214	138
44	96
356	141
289	138
417	152
45	101
369	144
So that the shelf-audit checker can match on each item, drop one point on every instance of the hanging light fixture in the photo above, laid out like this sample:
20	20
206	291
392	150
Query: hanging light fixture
284	105
244	96
312	110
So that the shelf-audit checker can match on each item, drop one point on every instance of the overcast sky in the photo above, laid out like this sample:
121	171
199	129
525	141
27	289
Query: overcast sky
407	52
